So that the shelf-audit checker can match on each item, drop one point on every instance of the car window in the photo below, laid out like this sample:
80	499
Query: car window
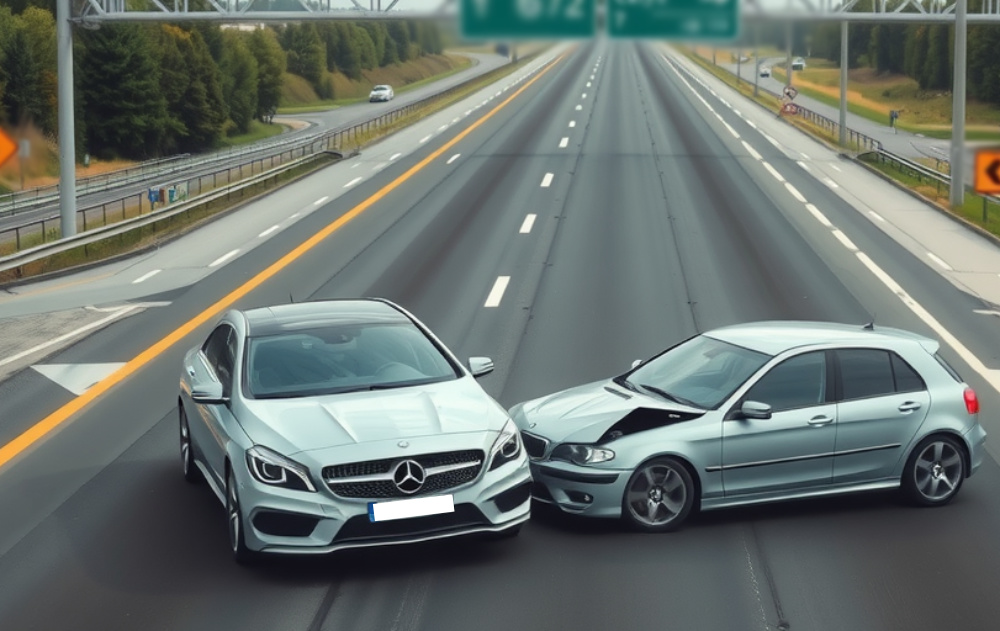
907	379
343	358
865	373
215	345
794	383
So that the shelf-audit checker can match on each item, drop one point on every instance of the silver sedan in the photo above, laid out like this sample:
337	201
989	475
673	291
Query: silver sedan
757	413
346	423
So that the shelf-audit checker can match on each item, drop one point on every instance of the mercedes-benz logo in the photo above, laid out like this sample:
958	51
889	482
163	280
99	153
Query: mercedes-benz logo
409	476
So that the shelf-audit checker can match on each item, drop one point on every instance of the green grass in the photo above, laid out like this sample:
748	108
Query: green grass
258	131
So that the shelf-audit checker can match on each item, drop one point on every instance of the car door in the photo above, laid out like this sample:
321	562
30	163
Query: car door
793	449
220	356
882	402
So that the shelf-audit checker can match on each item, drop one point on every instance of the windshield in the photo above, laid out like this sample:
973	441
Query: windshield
380	88
343	358
701	372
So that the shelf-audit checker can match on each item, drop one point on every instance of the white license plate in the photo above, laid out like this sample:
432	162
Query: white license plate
415	507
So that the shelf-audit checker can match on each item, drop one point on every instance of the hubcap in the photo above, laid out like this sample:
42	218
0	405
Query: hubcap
657	495
234	516
938	471
185	444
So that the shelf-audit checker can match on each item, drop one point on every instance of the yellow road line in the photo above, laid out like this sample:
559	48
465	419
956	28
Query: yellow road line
45	426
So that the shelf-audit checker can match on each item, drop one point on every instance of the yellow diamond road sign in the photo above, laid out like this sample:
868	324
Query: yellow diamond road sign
7	147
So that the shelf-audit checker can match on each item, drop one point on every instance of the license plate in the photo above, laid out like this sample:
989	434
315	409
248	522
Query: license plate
415	507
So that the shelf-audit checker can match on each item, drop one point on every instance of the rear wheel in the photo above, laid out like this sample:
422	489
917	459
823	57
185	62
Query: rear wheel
659	496
935	471
191	472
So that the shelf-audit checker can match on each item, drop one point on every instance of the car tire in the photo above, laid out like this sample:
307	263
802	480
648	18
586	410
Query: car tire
191	472
934	472
659	496
235	525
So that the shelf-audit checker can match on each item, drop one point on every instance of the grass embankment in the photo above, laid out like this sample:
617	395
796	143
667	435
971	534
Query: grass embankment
298	95
258	131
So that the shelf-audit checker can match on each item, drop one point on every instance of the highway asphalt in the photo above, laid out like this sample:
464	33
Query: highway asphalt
630	207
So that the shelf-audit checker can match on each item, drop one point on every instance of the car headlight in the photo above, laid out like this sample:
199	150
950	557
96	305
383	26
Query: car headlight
507	446
582	454
272	468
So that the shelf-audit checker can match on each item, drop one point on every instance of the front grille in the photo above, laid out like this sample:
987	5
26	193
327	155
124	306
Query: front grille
534	445
386	488
361	528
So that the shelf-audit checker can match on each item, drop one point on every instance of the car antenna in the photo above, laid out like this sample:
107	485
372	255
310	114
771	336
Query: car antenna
871	325
290	299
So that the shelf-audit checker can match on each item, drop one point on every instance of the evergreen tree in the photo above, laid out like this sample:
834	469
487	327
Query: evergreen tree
271	62
937	67
239	81
348	57
399	34
40	28
22	97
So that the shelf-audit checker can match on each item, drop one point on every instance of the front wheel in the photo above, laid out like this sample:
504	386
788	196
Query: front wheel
659	496
935	471
234	515
191	472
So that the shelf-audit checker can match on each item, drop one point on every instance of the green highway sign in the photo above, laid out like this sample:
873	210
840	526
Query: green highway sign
523	19
674	19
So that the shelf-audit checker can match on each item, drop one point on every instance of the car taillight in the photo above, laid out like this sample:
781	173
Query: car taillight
971	401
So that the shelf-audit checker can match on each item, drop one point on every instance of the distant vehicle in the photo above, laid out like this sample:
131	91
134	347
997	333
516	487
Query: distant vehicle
756	413
798	64
381	93
342	424
765	71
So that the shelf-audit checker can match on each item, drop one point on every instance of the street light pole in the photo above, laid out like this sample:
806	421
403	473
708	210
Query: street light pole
67	130
957	193
843	83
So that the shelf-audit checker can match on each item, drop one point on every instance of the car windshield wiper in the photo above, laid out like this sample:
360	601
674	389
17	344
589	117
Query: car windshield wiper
670	397
625	383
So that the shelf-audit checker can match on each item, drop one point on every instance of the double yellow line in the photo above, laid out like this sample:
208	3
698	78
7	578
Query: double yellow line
44	427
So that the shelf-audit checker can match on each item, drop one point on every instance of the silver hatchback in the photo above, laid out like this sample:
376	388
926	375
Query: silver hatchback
757	413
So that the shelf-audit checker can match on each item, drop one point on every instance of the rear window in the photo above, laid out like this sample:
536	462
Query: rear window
951	371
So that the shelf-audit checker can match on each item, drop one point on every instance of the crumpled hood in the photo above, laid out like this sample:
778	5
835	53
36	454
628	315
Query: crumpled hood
293	425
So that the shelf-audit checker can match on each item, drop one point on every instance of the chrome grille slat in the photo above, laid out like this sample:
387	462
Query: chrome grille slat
373	479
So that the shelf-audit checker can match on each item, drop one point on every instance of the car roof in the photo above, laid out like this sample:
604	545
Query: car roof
381	87
292	316
776	337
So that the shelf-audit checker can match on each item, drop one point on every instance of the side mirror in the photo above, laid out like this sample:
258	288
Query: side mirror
480	366
637	363
755	409
208	393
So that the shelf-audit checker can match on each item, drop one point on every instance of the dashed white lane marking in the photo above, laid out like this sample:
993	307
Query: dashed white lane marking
804	155
795	192
819	215
379	166
751	150
353	182
455	120
584	95
803	165
467	112
294	215
876	216
835	167
843	239
320	200
751	123
773	171
564	143
529	221
937	259
355	165
731	130
146	276
496	294
453	158
268	231
588	84
591	77
830	183
773	141
394	156
572	123
424	139
547	180
442	128
737	112
990	375
579	107
725	102
225	257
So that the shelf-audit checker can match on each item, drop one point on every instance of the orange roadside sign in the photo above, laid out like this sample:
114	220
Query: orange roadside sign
987	178
7	148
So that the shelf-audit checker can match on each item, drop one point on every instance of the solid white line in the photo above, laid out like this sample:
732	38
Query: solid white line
320	200
564	143
529	221
843	239
819	215
225	257
424	139
830	182
268	231
773	171
803	165
937	259
795	192
835	167
453	158
67	336
876	216
572	123
992	376
146	276
751	150
394	156
353	182
496	294
547	180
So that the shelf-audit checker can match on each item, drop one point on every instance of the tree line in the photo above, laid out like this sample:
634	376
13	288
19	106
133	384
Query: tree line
147	90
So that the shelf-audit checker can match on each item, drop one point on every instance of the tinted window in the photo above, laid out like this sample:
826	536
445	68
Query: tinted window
215	345
907	379
343	358
794	383
865	373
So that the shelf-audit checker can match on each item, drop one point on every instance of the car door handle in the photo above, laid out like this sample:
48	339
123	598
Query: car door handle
820	420
909	406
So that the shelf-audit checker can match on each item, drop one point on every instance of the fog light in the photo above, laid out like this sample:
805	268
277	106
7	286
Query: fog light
578	497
